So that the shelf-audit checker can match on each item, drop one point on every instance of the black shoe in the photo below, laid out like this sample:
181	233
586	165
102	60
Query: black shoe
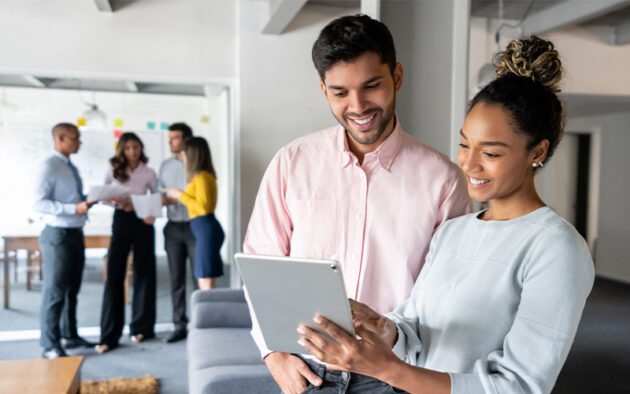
54	353
177	335
74	343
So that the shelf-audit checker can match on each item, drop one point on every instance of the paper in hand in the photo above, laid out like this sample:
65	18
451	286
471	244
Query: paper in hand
147	205
106	192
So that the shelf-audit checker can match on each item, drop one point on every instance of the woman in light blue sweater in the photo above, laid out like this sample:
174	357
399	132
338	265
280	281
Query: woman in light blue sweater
498	302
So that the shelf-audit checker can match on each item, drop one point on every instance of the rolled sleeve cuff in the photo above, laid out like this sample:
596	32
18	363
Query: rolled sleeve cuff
400	347
70	209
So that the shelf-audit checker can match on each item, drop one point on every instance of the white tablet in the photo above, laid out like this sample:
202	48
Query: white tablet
285	292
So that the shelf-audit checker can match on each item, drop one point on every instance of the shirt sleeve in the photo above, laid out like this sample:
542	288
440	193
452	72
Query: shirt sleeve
270	227
408	345
153	182
200	194
44	187
557	278
161	176
109	176
456	201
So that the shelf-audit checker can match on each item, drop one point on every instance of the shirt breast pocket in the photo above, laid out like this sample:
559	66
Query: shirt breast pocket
314	228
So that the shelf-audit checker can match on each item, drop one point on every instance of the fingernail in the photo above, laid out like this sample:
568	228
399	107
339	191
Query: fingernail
301	330
317	318
317	382
300	342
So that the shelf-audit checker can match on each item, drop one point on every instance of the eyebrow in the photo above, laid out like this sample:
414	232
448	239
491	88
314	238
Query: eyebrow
369	81
487	143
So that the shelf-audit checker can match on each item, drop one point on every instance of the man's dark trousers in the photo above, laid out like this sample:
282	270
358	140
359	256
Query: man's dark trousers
63	260
179	243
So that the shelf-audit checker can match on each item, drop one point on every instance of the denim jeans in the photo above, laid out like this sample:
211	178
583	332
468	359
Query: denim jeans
340	382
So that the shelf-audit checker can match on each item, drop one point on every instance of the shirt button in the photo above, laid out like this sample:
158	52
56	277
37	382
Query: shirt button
354	256
358	215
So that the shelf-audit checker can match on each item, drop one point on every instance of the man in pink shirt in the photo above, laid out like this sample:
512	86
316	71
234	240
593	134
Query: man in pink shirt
364	193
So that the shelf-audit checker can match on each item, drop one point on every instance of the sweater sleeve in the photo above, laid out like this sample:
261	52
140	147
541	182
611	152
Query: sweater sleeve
408	345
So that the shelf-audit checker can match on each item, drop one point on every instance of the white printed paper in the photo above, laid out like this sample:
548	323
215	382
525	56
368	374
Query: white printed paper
147	205
106	192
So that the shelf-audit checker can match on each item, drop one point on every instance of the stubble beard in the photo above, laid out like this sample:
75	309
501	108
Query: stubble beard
387	115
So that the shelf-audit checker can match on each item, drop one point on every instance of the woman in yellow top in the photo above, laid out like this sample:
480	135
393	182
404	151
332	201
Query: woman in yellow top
200	198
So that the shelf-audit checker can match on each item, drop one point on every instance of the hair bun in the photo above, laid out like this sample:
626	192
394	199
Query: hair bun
533	58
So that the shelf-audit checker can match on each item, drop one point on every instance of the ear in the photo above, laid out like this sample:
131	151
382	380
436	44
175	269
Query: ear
539	152
322	86
398	76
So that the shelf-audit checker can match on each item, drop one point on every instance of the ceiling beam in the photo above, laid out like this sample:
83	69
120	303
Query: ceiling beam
281	14
622	33
371	8
567	13
131	86
104	5
34	81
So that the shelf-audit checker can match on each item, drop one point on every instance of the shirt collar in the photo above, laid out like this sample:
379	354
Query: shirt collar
385	153
60	156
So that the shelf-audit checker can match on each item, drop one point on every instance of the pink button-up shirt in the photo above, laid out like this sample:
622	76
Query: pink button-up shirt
376	218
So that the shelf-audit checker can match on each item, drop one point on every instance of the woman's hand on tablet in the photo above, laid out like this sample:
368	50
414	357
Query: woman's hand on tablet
369	355
369	319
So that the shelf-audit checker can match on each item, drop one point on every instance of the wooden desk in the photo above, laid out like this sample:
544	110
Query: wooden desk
30	243
62	375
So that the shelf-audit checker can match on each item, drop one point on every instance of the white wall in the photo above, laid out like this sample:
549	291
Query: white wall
431	48
165	40
280	98
612	249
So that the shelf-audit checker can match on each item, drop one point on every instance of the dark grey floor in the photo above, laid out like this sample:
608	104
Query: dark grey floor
599	361
167	362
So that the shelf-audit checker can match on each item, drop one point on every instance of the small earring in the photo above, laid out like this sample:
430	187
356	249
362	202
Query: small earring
539	164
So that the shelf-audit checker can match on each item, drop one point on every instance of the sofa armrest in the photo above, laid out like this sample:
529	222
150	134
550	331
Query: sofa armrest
219	308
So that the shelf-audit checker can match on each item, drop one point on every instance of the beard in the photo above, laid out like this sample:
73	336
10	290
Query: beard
385	116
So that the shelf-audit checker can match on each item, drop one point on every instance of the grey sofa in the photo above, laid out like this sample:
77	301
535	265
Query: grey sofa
222	356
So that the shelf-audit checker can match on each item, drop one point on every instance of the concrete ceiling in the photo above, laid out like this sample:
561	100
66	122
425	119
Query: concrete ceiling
30	81
610	19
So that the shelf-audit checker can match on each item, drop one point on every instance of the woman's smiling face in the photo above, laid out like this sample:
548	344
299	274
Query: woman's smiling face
493	155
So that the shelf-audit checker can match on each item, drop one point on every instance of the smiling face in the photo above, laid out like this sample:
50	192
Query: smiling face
495	158
362	97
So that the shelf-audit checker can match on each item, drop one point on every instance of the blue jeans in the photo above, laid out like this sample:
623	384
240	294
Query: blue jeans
339	382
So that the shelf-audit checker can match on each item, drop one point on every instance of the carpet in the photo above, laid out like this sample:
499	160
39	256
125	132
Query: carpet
144	385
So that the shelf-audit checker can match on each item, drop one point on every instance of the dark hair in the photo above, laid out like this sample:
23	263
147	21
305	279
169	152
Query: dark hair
349	37
62	126
528	73
198	157
183	128
119	161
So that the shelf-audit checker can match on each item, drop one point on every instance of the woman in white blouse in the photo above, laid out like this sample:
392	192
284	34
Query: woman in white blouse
129	233
498	302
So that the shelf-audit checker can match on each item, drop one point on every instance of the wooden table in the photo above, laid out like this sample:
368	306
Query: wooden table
62	375
30	243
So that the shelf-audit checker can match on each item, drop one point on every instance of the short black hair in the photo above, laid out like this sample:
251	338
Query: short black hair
349	37
183	127
63	126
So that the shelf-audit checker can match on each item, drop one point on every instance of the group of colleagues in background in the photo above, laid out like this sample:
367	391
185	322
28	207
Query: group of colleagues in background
187	182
